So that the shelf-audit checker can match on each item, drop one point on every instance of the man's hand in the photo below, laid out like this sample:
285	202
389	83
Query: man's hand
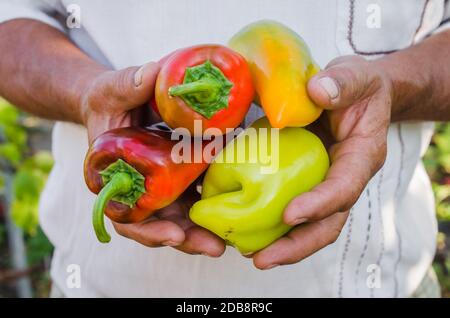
358	96
172	227
113	100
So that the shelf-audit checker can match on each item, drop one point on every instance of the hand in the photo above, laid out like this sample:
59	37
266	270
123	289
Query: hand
113	100
357	95
172	227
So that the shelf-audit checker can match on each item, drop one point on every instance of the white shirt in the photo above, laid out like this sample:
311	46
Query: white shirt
392	225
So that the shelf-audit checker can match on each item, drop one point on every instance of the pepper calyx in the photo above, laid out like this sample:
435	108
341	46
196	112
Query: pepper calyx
205	89
137	189
122	183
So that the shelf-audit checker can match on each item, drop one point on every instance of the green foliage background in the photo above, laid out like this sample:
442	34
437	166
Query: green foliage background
437	163
28	169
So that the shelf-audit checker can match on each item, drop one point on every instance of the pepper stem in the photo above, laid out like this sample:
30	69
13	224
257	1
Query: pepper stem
205	89
120	183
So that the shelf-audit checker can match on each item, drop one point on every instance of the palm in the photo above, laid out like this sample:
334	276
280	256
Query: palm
173	222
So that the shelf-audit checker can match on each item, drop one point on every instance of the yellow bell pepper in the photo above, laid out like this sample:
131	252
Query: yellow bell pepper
252	180
281	65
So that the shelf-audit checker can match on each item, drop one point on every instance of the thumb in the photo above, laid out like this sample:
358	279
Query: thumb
133	86
342	84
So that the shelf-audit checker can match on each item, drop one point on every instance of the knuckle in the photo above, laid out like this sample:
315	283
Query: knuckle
350	195
380	163
355	78
120	229
123	82
98	93
344	76
332	234
345	59
376	153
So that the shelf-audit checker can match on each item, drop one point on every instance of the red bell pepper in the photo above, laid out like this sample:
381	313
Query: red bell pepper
211	83
134	174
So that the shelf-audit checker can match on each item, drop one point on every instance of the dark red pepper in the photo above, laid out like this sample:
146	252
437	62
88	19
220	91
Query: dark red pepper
134	174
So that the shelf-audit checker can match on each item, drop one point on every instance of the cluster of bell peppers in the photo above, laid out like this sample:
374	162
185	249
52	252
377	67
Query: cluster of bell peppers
134	175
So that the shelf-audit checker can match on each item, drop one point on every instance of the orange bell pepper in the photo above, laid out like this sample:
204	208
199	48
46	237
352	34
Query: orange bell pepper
281	65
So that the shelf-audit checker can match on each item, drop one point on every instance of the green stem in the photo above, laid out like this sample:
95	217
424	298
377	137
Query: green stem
120	183
205	89
209	88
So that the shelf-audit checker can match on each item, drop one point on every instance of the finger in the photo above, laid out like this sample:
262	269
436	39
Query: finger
132	86
301	242
201	241
343	84
100	125
197	240
153	233
353	166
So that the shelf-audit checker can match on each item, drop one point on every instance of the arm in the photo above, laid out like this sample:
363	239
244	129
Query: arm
42	70
48	76
362	98
45	74
420	77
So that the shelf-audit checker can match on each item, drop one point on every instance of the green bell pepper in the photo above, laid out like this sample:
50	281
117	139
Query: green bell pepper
243	202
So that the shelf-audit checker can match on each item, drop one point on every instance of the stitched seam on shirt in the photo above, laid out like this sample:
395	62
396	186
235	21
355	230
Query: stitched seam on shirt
366	242
350	31
444	22
380	215
348	240
397	196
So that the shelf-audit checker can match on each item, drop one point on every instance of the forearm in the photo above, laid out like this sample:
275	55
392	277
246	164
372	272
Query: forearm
420	76
42	71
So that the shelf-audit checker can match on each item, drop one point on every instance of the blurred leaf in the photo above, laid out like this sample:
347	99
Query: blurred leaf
11	153
443	211
16	135
25	215
38	247
441	192
2	183
444	161
442	141
9	115
27	185
41	160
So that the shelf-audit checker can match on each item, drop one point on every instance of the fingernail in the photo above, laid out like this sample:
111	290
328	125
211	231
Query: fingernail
170	243
206	254
299	221
329	86
271	266
138	76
